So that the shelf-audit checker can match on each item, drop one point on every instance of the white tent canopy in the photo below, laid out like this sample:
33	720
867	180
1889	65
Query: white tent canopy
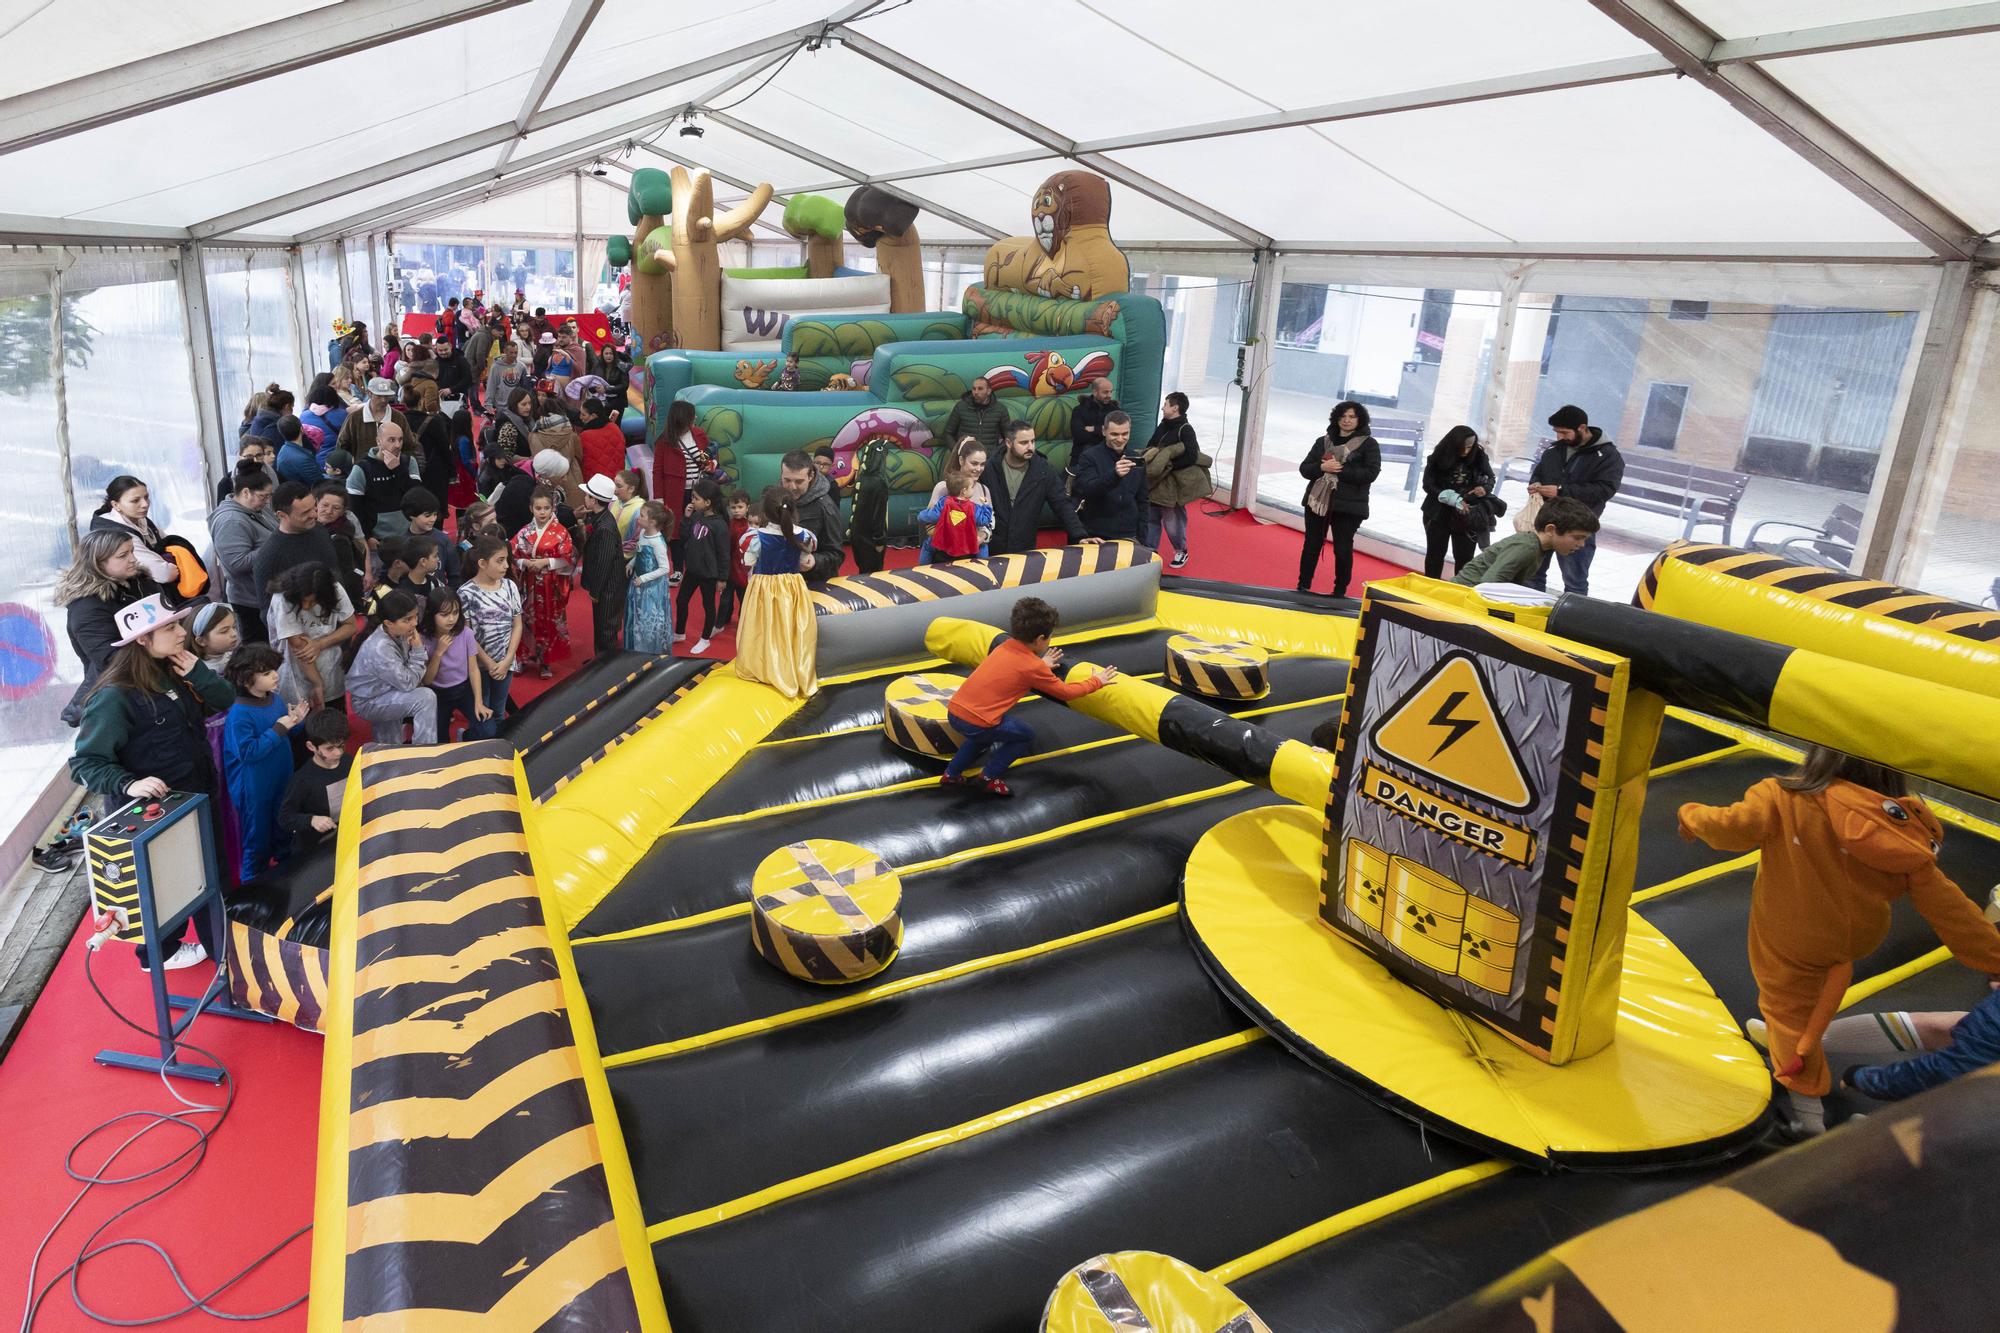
1763	127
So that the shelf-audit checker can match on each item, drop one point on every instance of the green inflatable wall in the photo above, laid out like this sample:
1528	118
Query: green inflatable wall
906	373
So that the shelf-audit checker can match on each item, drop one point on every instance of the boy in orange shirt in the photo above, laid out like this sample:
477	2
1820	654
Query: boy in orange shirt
1019	664
1842	839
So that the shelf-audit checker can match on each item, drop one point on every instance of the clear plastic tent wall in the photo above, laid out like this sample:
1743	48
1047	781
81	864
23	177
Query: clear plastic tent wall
1724	227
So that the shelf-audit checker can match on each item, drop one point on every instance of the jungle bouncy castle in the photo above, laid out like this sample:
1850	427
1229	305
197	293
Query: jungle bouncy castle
1052	315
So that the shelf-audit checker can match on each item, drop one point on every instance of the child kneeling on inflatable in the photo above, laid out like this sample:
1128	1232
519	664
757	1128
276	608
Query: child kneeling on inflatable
1021	663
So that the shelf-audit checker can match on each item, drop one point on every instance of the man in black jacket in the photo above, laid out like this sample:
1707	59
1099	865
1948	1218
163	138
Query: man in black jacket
1022	484
1586	467
978	415
603	565
1086	423
1111	484
819	512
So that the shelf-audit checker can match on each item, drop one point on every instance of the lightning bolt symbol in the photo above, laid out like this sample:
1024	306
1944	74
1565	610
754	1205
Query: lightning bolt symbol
1457	726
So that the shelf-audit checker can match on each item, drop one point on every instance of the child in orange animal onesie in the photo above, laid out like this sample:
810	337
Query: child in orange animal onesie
1842	840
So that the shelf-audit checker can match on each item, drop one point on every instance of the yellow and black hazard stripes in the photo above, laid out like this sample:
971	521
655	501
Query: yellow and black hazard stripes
476	1186
654	714
1218	670
114	876
639	672
1140	1291
826	911
276	976
916	714
930	583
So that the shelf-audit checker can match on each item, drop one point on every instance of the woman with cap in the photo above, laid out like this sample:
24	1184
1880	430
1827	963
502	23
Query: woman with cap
144	734
103	577
545	350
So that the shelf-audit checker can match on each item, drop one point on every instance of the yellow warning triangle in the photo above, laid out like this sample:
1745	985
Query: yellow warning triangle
1449	728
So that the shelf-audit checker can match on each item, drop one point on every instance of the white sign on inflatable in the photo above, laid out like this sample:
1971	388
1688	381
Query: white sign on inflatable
756	310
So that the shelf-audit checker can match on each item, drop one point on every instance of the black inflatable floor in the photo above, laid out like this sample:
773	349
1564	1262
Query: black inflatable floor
1045	1072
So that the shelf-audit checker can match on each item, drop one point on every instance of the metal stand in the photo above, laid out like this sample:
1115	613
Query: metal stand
214	1000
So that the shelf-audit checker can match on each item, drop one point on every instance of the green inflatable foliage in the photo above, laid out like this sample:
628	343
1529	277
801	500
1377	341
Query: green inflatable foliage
1042	315
850	338
814	215
921	382
661	237
942	330
618	251
652	193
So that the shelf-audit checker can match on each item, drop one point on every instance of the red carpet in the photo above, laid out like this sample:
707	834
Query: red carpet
254	1189
257	1183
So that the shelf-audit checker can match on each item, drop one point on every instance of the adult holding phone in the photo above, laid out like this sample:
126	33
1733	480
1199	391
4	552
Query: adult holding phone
1110	480
1339	468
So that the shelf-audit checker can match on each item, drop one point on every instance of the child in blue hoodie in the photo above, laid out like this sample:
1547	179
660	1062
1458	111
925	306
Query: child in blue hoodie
257	755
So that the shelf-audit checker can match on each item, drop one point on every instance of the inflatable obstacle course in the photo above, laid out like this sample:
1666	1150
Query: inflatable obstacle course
1058	984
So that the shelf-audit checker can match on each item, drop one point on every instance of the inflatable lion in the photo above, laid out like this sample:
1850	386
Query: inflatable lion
1071	254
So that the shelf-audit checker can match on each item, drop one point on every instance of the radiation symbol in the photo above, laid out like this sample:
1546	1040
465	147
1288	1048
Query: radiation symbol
1420	921
1449	728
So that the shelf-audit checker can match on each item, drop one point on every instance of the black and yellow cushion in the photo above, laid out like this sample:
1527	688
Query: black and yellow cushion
826	911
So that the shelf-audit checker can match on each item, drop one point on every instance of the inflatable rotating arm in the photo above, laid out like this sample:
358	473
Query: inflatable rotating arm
1239	748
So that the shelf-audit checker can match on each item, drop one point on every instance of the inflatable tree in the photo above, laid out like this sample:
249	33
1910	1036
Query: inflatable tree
676	273
887	224
817	223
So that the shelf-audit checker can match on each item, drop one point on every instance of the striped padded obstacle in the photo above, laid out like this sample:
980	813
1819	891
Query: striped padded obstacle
1218	670
1139	1291
277	976
826	911
914	714
931	583
476	1186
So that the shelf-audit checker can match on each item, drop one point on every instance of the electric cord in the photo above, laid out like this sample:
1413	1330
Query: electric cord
189	1159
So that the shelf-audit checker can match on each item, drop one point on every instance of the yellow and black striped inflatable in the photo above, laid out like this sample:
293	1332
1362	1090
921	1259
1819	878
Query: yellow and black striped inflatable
653	714
1138	1291
930	583
826	911
914	714
475	1186
1217	670
276	976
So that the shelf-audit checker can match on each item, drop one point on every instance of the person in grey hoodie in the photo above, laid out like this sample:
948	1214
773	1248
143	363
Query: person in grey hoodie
819	512
236	528
979	415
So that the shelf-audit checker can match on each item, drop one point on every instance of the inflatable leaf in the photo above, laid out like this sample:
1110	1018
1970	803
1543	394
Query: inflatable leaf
860	337
618	251
813	338
813	215
909	470
922	381
942	330
658	245
1050	417
722	425
651	195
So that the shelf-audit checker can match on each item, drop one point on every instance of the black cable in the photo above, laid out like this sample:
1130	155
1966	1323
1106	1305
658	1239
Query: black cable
193	1155
765	82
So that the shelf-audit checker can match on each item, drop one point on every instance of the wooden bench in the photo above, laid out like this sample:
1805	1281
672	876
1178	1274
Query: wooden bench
1694	494
1830	544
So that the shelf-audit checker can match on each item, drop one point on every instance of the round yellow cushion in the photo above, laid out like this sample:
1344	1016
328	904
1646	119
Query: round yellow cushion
1136	1290
914	716
826	911
1218	670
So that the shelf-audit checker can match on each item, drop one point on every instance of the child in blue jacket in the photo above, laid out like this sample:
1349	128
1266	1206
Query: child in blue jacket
1975	1043
257	755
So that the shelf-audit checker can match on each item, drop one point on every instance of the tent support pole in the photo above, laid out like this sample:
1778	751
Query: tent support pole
1899	493
201	363
1256	378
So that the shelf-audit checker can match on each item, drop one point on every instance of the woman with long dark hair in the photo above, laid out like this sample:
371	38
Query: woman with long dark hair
144	731
1339	468
101	578
126	508
1458	479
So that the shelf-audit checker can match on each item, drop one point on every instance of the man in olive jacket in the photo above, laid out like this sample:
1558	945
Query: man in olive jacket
978	415
1022	485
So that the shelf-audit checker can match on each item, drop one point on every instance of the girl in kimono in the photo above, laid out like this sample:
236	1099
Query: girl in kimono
649	611
544	561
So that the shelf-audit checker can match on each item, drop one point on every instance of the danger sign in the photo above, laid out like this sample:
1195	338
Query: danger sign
1449	728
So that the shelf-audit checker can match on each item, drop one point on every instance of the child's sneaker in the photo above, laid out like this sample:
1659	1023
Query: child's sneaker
996	787
189	954
960	781
1179	561
700	647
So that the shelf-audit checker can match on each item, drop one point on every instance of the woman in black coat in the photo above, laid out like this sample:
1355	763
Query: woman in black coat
1339	468
103	577
1459	465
